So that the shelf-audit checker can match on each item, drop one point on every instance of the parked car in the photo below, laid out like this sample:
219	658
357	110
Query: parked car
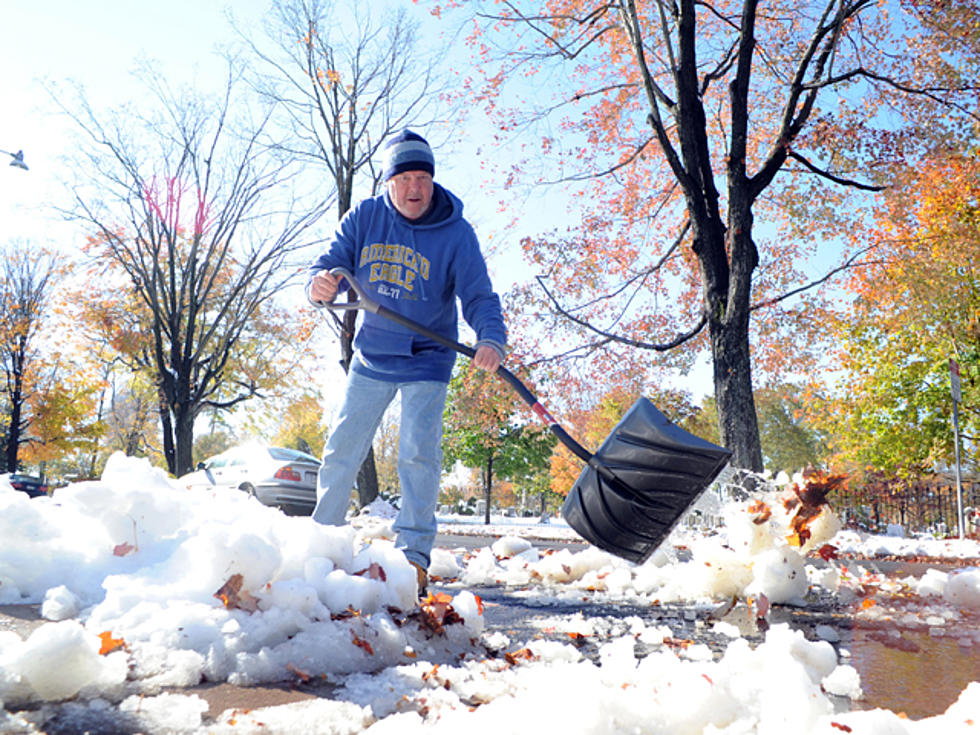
276	476
35	487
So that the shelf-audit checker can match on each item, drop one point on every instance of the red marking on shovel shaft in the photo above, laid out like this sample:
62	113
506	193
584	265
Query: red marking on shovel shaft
543	413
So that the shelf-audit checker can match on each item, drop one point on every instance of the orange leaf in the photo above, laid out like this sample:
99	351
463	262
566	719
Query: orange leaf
299	672
761	511
827	552
361	643
868	602
109	644
374	571
232	596
524	653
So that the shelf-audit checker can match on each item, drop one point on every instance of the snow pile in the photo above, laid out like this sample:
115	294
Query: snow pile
555	689
148	587
786	683
864	544
760	552
380	508
175	587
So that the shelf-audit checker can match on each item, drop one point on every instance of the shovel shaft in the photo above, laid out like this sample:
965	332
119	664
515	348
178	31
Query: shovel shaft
368	304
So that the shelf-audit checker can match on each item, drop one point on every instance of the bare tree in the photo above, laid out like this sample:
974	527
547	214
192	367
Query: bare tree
27	279
201	219
345	84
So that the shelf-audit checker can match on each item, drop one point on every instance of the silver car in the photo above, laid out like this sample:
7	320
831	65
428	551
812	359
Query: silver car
276	476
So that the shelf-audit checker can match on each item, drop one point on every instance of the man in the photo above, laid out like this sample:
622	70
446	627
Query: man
413	252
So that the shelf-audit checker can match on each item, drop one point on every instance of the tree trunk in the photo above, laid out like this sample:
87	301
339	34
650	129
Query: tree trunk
737	420
13	432
487	484
367	480
728	329
166	429
184	439
16	398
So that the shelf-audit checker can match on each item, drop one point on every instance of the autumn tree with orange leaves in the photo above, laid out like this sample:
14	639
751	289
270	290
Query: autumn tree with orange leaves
45	399
915	307
485	428
720	159
192	214
25	291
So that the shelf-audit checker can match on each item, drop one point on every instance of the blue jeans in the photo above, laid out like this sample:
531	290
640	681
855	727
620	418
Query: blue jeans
419	457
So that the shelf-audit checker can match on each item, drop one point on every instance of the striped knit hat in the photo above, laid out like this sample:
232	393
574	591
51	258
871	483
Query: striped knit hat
407	151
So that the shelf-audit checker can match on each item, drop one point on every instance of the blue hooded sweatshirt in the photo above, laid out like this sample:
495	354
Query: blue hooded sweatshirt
417	268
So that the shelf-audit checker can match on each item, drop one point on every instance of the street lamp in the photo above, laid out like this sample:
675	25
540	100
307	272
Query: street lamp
16	159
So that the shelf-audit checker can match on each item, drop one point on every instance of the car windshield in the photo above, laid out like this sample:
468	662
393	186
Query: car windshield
288	455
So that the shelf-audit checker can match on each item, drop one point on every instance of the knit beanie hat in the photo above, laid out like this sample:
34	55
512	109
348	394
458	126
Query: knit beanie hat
407	151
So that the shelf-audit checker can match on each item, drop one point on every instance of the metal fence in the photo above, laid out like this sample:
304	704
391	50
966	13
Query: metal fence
924	505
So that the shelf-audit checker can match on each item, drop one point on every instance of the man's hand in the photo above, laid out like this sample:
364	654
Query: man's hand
323	287
486	358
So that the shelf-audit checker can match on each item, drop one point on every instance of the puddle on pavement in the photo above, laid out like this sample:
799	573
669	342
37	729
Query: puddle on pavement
919	674
914	672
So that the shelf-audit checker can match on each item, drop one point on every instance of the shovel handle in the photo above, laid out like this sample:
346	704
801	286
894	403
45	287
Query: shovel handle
366	303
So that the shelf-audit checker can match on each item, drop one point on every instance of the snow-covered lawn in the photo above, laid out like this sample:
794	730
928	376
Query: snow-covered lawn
148	588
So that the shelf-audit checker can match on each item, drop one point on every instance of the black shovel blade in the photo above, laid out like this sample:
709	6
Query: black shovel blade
658	472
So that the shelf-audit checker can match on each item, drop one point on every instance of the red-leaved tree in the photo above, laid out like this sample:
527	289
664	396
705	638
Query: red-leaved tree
719	159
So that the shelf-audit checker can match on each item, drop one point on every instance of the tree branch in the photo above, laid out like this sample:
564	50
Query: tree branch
850	263
832	177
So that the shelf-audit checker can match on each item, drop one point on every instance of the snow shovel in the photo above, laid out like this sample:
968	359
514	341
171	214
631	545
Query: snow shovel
635	488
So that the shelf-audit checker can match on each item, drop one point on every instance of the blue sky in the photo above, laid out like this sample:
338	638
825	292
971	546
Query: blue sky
97	43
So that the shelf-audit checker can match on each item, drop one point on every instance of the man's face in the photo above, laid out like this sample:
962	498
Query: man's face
411	193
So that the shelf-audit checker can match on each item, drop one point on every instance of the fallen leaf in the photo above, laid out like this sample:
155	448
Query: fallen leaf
827	552
839	726
109	644
524	653
299	672
361	643
233	597
724	608
761	511
812	498
762	613
374	571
